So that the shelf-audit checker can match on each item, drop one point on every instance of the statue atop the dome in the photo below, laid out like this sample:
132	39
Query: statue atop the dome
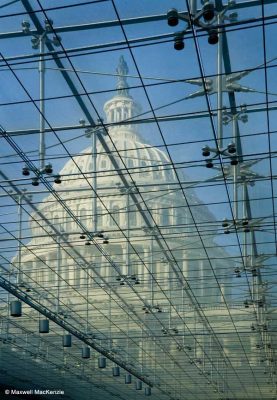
122	70
122	106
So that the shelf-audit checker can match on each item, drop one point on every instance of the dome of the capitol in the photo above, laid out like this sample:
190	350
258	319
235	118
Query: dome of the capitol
92	191
140	159
126	145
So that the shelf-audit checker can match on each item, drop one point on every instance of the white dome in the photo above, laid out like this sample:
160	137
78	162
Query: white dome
145	163
142	160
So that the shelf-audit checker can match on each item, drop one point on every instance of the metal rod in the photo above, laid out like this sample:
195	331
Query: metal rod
94	180
244	189
42	102
110	320
87	311
19	280
58	272
152	268
235	171
128	269
193	7
244	199
252	254
219	85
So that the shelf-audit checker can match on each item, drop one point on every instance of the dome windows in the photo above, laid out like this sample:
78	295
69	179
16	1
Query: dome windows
144	168
99	217
156	173
83	215
165	219
133	218
103	163
115	219
130	163
77	276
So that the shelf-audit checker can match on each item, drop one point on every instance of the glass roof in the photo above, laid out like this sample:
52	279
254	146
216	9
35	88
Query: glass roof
138	211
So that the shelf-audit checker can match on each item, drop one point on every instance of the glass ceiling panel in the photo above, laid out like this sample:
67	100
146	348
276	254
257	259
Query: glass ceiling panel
137	202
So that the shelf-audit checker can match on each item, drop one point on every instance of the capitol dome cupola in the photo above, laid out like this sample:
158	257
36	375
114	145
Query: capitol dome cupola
144	161
122	106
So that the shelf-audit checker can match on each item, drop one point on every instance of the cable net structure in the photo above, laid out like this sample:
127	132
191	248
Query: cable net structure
137	168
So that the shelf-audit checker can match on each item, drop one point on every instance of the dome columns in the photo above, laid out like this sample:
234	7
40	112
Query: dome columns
121	109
